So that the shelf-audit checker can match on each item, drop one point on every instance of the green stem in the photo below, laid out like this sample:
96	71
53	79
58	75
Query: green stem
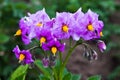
33	48
55	74
68	55
60	58
67	58
70	42
65	61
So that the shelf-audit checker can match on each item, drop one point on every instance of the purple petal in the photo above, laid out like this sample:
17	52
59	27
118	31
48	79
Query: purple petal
45	46
28	57
78	14
76	37
26	39
61	48
16	50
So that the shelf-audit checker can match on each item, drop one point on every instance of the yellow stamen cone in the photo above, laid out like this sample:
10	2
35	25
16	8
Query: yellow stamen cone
54	50
18	32
42	40
90	27
101	34
39	24
21	57
65	28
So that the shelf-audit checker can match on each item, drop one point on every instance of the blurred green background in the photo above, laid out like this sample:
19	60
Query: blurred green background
12	10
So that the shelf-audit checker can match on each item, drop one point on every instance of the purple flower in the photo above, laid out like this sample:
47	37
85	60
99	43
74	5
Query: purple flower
64	25
101	45
29	24
38	19
44	35
91	26
78	16
54	46
24	31
23	56
45	62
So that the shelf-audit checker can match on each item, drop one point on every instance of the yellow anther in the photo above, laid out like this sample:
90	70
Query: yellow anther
18	32
65	28
39	24
21	57
42	40
101	34
90	27
54	50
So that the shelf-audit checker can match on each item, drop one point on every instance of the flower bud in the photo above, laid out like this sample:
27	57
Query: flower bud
101	45
45	62
90	53
52	59
94	55
87	54
52	63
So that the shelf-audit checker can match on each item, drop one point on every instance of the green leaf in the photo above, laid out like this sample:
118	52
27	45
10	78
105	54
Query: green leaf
19	73
3	38
45	71
96	77
65	72
22	77
76	77
57	67
114	74
67	76
42	77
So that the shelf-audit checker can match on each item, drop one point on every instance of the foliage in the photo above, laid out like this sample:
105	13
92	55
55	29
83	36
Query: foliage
97	77
19	73
115	74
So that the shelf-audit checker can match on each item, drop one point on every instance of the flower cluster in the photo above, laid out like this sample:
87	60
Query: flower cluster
50	32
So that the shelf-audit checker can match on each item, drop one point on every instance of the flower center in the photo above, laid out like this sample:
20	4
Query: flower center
90	27
21	57
65	28
18	32
54	50
101	34
39	24
42	40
